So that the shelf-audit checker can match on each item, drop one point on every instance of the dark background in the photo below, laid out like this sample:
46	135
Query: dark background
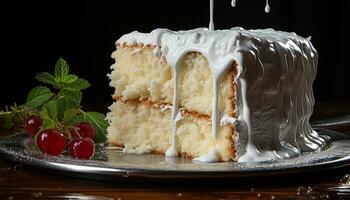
35	34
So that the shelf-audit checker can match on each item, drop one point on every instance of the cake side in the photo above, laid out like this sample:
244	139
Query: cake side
142	127
143	84
139	74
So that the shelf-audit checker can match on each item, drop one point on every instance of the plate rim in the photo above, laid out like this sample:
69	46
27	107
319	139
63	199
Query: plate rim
94	172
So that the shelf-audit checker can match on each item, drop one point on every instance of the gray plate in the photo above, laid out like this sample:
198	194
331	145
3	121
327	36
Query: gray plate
109	164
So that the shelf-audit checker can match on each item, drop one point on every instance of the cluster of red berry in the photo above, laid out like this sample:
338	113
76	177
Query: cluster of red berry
79	139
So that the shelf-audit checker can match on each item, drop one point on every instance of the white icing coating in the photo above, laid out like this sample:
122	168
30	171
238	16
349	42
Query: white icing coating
274	98
267	7
156	52
165	107
172	150
227	120
210	157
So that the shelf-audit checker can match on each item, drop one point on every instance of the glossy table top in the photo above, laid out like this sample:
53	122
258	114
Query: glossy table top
23	182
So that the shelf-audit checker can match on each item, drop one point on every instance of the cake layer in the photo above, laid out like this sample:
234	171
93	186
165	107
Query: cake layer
145	127
139	73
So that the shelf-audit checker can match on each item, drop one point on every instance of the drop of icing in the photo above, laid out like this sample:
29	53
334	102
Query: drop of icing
210	157
227	120
233	3
267	7
156	52
171	152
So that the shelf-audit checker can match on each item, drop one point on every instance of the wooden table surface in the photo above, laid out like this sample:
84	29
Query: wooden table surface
23	182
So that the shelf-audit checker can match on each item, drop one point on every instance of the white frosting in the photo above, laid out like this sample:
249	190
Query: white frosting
274	98
165	107
156	52
210	157
227	120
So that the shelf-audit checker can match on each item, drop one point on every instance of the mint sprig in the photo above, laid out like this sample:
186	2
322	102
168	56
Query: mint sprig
38	96
58	103
62	79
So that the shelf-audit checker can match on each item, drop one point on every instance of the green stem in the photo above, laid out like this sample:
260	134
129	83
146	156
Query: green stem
5	113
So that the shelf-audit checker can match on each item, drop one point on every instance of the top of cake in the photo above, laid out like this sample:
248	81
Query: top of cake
218	42
220	47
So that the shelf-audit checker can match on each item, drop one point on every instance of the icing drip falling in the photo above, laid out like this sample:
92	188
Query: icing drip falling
211	23
267	7
172	151
215	112
233	3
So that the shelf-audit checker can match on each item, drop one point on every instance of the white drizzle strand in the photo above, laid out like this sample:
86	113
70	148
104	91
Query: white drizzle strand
233	3
267	7
211	22
172	151
274	96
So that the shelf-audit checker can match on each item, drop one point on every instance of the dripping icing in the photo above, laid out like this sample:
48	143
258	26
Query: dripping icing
267	7
211	22
210	157
175	115
233	3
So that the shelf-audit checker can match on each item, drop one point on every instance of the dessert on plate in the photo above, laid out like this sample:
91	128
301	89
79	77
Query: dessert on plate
214	95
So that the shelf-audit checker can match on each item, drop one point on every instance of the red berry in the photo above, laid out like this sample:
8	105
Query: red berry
85	130
51	141
32	125
83	148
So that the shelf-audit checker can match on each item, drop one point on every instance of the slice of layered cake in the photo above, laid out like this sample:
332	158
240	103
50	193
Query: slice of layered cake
241	95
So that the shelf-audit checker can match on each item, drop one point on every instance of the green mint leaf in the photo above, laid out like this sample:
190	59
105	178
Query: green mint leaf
69	99
47	78
61	68
49	115
79	84
70	78
38	96
7	122
62	81
69	115
97	120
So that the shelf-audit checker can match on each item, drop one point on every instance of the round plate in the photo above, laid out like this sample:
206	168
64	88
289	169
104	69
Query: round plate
111	163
